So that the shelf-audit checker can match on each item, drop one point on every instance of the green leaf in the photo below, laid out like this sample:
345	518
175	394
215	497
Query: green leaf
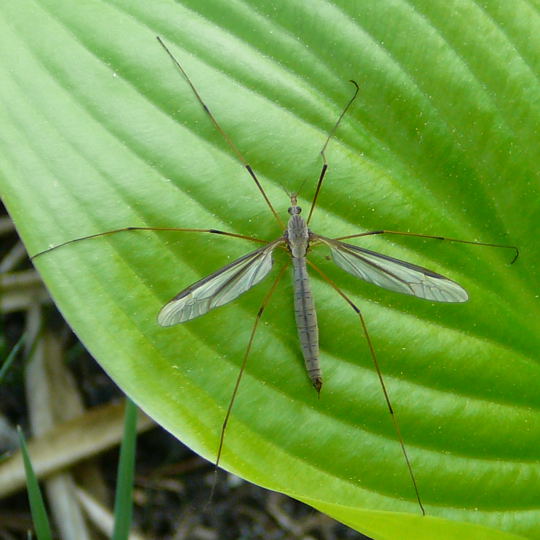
99	131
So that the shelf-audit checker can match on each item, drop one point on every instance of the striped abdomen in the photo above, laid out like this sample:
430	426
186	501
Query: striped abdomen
306	321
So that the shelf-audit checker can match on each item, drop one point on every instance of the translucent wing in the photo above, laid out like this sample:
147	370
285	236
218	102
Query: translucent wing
393	274
220	287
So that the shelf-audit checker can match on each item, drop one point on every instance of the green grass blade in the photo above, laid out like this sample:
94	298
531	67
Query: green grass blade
123	502
11	357
37	505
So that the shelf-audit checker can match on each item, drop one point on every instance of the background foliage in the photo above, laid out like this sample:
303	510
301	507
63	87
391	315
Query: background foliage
99	132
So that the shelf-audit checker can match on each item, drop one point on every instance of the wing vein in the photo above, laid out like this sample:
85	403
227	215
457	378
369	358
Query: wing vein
394	274
220	287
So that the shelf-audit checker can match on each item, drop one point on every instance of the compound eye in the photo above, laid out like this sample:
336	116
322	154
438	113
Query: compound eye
290	210
298	210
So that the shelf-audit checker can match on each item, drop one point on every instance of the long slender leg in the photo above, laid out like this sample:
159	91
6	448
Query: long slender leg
381	380
241	372
228	140
124	229
325	163
318	188
399	233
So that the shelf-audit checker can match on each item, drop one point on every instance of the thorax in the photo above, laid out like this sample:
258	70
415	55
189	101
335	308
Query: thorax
297	236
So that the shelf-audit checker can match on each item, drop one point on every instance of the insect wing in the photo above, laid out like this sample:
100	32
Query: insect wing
219	288
393	274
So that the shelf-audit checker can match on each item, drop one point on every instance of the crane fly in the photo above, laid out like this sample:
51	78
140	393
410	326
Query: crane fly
234	279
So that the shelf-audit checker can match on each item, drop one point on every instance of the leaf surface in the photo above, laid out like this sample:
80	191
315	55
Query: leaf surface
99	131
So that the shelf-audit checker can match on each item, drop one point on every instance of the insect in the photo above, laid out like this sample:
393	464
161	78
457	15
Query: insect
229	282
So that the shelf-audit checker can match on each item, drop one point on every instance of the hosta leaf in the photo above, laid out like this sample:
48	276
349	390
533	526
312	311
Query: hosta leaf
99	131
